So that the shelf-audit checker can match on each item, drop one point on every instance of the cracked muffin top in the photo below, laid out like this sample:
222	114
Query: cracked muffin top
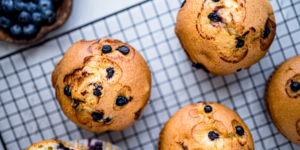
282	97
225	36
102	84
205	126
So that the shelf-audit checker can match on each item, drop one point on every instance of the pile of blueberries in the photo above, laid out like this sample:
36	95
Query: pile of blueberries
23	18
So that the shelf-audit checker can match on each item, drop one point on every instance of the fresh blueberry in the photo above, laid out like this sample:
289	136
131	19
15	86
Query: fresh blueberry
97	91
16	31
106	49
37	18
215	0
239	130
19	6
214	17
110	72
97	116
107	120
123	49
266	32
7	6
183	3
212	135
240	43
24	18
295	86
45	4
49	16
32	7
5	22
67	90
121	101
208	109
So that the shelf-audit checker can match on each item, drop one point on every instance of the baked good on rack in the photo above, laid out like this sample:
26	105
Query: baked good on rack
59	145
102	84
56	145
205	126
282	97
225	36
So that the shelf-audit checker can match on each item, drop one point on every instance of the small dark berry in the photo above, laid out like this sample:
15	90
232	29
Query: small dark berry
19	6
123	49
266	32
208	109
36	1
240	43
5	22
121	101
24	18
67	90
295	86
49	16
31	7
239	130
214	17
16	31
212	135
37	18
62	147
75	103
106	49
45	5
110	72
97	91
200	66
107	120
29	30
7	6
215	0
97	116
183	3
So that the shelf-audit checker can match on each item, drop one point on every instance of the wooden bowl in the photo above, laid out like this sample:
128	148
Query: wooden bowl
62	14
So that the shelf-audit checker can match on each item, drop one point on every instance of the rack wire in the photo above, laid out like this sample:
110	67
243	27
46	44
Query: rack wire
30	113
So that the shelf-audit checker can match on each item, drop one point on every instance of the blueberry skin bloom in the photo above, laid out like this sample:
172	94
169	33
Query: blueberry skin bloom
7	6
24	18
45	4
37	18
16	31
5	22
29	30
49	16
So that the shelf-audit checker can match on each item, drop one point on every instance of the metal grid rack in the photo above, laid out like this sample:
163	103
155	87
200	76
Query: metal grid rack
29	112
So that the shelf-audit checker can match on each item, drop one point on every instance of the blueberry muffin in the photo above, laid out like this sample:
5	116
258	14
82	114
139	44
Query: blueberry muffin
282	97
225	36
59	145
55	145
102	84
205	126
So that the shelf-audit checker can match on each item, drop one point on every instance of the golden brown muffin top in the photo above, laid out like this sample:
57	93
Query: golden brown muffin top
283	101
102	84
225	36
205	126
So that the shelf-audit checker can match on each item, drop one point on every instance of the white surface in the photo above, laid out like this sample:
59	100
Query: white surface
84	11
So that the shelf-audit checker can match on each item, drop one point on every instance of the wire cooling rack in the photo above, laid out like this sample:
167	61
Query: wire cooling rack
30	113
